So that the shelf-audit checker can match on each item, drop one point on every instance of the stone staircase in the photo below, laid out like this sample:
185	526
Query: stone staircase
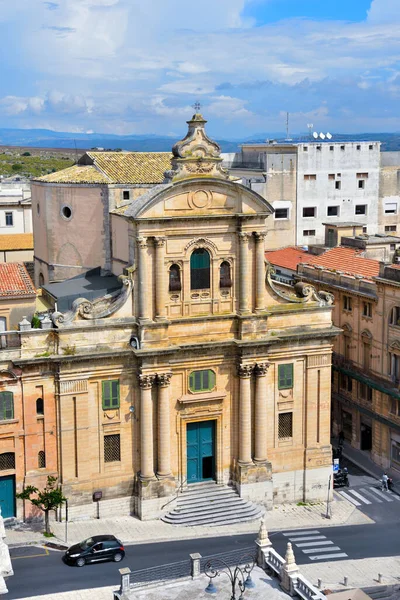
211	504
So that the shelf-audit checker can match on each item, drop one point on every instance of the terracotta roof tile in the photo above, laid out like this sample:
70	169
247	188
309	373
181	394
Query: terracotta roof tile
343	259
76	174
16	241
15	281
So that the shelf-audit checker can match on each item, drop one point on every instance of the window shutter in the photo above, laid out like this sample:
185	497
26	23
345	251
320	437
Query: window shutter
191	381
115	393
106	394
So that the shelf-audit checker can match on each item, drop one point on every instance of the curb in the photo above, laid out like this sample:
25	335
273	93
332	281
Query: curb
368	471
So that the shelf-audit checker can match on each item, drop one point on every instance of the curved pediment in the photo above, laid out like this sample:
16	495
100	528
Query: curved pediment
198	196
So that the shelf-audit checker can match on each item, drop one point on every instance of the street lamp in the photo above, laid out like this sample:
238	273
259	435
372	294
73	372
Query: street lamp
239	576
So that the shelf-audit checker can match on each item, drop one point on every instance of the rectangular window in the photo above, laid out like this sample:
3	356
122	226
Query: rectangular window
333	211
395	452
281	213
370	147
390	208
331	148
362	175
285	377
394	318
392	247
361	209
338	185
367	309
394	367
342	147
389	228
9	219
331	176
347	303
309	211
338	174
310	177
308	232
305	149
365	229
318	147
112	448
6	406
358	147
285	425
361	184
346	383
125	195
202	381
110	394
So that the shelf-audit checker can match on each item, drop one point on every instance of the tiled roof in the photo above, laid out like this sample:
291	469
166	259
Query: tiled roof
347	260
15	281
16	241
76	174
115	167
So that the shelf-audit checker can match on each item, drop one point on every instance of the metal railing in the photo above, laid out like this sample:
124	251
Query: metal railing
231	558
160	574
179	490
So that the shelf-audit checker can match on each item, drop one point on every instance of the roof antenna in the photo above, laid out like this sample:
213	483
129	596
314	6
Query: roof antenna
76	153
288	139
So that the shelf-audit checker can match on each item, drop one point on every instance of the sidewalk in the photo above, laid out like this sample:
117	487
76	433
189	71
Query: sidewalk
133	531
362	460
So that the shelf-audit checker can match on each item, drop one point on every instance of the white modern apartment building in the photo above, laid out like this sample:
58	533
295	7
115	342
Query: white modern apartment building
15	206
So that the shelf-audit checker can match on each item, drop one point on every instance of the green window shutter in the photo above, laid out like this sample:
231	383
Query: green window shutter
6	405
191	382
115	393
106	394
110	394
285	376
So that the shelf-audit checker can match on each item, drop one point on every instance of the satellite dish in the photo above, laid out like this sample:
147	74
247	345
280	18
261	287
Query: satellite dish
315	135
329	136
322	136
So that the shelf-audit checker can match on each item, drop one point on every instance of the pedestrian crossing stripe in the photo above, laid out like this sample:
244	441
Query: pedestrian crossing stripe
326	549
317	548
328	556
370	495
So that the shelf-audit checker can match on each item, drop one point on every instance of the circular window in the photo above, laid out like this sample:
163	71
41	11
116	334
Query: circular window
66	212
38	208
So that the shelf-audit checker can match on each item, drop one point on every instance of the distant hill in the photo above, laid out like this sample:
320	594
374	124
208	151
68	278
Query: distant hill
45	138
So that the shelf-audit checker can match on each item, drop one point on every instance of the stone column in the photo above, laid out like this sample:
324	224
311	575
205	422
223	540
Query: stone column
260	416
164	433
160	278
144	304
244	372
146	427
260	271
244	275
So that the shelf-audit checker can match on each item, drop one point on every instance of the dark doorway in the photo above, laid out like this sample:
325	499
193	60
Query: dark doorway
366	437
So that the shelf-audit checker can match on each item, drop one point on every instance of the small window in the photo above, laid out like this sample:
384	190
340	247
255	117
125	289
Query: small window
346	383
39	406
285	425
342	147
362	175
392	247
66	212
331	148
41	280
308	232
391	208
9	219
361	184
225	280
285	376
309	211
370	147
281	213
312	177
358	147
6	406
394	318
7	461
38	208
333	211
347	303
331	176
367	309
318	147
365	229
338	185
112	448
110	394
338	174
175	278
202	381
125	195
305	148
389	228
361	209
41	459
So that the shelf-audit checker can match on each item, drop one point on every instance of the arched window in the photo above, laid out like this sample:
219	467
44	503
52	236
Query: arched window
39	406
41	459
41	280
200	270
6	406
225	280
175	278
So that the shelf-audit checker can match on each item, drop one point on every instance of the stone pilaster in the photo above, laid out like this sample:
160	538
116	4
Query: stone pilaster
146	427
260	271
245	372
164	433
143	271
260	416
160	278
244	275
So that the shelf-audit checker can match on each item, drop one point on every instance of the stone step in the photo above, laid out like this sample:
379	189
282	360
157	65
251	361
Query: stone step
211	506
207	496
212	519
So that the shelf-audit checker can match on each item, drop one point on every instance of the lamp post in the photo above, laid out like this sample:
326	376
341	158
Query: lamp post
239	577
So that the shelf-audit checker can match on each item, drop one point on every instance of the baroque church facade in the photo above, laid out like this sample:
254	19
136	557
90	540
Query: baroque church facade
200	367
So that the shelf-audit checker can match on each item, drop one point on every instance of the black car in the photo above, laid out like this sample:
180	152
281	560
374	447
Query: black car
94	549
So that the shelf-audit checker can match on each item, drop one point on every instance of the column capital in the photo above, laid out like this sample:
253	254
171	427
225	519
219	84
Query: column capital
164	379
245	371
142	242
243	236
261	369
159	241
146	381
260	236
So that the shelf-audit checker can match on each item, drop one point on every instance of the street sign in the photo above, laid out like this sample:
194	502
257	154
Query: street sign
335	465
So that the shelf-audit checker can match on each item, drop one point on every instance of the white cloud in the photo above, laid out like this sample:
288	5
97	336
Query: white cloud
384	11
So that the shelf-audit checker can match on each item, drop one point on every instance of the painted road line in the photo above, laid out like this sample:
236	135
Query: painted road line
359	497
349	498
307	538
383	495
365	491
313	550
313	544
302	532
328	556
393	495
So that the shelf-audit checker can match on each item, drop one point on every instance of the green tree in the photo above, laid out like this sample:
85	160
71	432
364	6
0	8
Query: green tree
50	498
26	154
16	167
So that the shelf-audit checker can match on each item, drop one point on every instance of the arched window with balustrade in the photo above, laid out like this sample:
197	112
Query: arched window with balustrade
225	280
200	269
175	278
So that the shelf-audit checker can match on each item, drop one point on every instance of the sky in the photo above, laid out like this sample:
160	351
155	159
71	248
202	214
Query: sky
137	67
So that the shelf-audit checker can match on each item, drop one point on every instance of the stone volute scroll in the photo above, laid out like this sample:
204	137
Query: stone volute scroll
300	293
146	381
245	371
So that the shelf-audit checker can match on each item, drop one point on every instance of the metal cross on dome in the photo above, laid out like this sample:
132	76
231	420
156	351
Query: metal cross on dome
196	106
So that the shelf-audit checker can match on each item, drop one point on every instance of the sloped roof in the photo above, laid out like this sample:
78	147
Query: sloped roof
76	174
16	241
347	260
15	281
